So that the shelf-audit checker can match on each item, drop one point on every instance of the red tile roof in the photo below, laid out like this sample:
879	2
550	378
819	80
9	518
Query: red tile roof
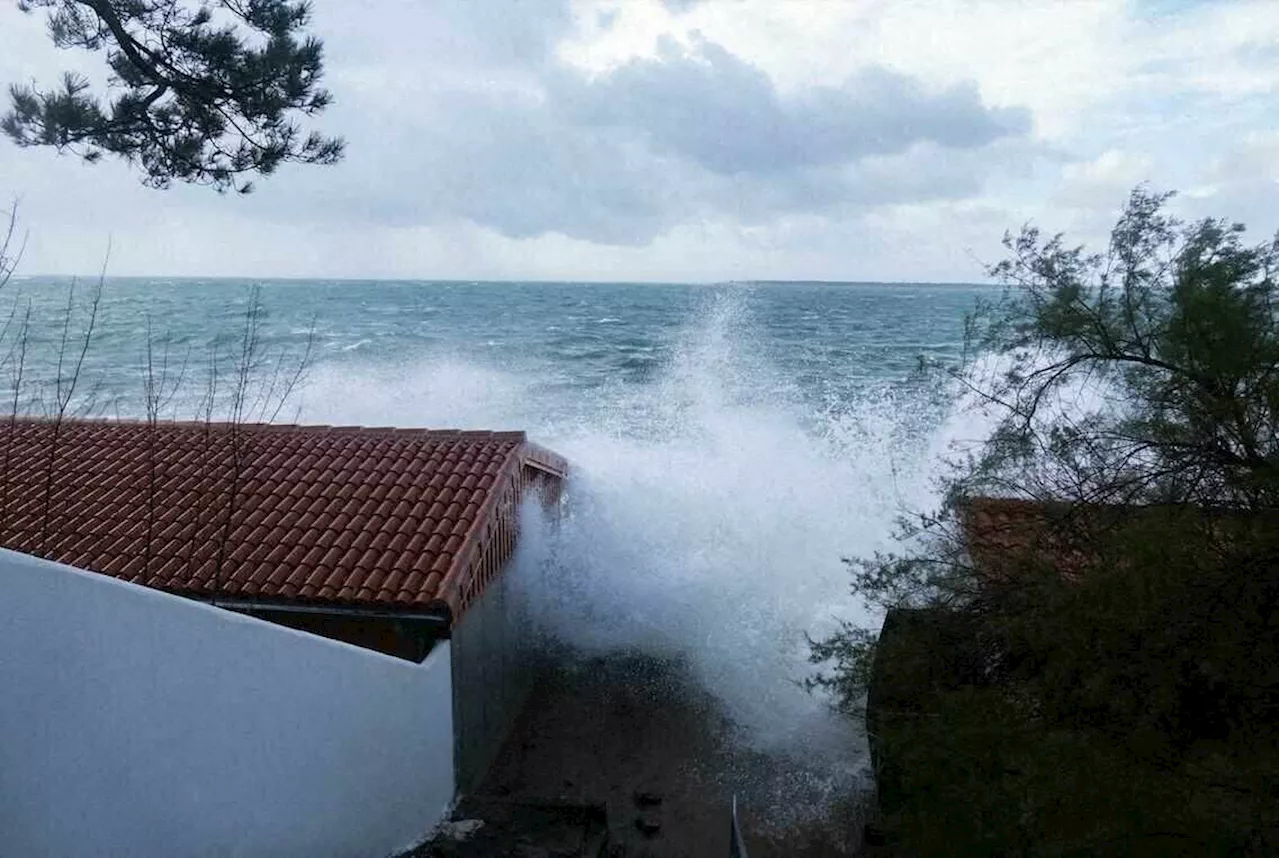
1003	533
388	518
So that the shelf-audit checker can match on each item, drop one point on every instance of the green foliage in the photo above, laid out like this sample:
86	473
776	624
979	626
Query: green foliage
850	652
1119	692
1129	713
1173	330
198	93
982	776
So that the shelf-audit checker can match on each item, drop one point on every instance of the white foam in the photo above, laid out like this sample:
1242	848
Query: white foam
710	507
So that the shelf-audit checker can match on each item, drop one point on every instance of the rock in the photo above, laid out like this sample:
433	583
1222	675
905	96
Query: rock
648	826
460	829
648	799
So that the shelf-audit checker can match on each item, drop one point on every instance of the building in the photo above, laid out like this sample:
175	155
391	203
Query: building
282	555
1005	538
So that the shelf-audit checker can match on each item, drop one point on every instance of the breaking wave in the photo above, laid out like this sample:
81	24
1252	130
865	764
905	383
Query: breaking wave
709	506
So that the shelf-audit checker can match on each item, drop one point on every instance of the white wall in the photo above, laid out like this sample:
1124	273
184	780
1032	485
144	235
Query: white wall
137	723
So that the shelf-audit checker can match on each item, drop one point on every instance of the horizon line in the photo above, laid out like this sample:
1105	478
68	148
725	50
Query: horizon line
510	280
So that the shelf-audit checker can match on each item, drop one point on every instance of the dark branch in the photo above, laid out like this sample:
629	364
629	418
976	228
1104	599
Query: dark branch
188	100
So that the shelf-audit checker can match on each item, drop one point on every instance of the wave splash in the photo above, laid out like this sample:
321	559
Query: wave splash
710	505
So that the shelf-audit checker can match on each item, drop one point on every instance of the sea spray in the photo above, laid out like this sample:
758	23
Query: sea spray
729	446
708	511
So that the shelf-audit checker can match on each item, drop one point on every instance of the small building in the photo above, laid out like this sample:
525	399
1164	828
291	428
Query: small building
305	579
1007	538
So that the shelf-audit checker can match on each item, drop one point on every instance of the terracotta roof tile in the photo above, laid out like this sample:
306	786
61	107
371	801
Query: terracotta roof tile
362	516
1001	534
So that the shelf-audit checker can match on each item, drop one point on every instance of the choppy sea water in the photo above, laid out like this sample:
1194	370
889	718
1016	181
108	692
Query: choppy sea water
730	444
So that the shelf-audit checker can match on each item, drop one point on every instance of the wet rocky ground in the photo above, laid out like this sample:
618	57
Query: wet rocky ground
631	744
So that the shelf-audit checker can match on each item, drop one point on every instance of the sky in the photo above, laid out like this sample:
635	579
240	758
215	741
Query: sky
698	140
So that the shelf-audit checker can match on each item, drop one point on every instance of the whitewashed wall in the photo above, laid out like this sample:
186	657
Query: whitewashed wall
140	724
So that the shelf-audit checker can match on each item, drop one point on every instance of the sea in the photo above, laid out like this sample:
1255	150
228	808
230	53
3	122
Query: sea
730	444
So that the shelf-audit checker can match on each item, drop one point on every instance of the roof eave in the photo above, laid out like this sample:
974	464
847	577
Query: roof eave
542	459
437	614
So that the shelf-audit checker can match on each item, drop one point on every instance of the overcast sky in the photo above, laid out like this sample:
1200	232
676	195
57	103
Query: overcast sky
699	140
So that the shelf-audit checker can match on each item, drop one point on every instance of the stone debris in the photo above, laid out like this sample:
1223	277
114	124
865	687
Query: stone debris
492	827
460	829
648	826
648	799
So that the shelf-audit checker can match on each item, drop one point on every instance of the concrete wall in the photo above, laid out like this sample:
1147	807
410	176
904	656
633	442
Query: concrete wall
493	673
137	723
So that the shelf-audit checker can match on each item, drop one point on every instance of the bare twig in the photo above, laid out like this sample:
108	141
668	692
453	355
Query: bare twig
19	368
65	385
9	259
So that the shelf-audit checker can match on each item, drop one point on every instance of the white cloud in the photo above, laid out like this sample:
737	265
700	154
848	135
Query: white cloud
671	139
1256	158
1050	56
1243	185
1103	182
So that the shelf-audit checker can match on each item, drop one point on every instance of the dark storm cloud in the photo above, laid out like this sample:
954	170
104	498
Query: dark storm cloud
726	115
619	158
462	111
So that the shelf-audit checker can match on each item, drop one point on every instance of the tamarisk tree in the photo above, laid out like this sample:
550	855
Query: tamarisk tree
1115	622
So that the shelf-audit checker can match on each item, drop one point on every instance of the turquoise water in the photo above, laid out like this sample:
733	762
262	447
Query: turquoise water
730	444
820	343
